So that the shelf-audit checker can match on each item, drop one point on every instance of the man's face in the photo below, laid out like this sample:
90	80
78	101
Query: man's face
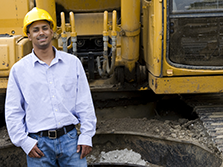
40	34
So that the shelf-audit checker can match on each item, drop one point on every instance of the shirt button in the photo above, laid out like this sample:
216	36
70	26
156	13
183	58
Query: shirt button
59	123
50	82
52	96
55	109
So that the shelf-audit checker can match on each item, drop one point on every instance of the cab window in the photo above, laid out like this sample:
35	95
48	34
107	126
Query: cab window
196	5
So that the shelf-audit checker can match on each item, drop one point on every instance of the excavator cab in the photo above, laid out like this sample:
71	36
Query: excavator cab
189	56
196	34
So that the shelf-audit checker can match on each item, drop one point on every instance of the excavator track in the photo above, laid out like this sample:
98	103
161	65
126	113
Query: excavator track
212	118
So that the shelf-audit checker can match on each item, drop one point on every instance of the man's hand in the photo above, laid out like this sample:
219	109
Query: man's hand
85	150
36	152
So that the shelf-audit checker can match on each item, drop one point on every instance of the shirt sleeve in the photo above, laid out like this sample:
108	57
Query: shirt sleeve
15	115
84	108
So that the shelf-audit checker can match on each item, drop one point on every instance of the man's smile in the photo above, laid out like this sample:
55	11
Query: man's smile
42	38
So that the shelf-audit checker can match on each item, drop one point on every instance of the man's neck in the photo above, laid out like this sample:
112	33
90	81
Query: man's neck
46	55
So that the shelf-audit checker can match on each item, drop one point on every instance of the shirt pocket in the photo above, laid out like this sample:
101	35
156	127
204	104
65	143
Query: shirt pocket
69	86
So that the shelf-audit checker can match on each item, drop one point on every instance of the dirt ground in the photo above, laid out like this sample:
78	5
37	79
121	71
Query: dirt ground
166	124
4	137
190	130
159	125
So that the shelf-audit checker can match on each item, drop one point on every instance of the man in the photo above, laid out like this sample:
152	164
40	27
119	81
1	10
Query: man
47	95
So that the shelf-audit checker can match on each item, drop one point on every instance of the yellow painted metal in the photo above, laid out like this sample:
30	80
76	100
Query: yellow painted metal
10	52
72	32
49	6
7	55
63	34
174	80
72	23
89	5
23	47
180	71
186	72
3	85
11	16
105	30
4	56
130	22
89	23
152	35
114	23
181	85
85	24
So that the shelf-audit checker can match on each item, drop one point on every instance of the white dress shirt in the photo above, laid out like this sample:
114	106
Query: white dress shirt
41	97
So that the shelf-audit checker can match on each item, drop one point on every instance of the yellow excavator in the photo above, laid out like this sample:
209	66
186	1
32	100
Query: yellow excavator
132	50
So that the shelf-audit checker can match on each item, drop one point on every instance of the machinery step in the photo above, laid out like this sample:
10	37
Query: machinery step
212	118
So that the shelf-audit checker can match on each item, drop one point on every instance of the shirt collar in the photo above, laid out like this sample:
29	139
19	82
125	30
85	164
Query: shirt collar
36	59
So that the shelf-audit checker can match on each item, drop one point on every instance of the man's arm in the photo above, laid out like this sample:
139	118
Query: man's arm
85	113
15	115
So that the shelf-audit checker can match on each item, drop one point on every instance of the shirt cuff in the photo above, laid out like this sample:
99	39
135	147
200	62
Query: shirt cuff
84	140
28	144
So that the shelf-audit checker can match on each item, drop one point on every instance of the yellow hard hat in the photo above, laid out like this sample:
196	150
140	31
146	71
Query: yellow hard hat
37	14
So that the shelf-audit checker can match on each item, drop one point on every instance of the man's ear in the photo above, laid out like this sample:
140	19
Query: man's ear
28	34
52	33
